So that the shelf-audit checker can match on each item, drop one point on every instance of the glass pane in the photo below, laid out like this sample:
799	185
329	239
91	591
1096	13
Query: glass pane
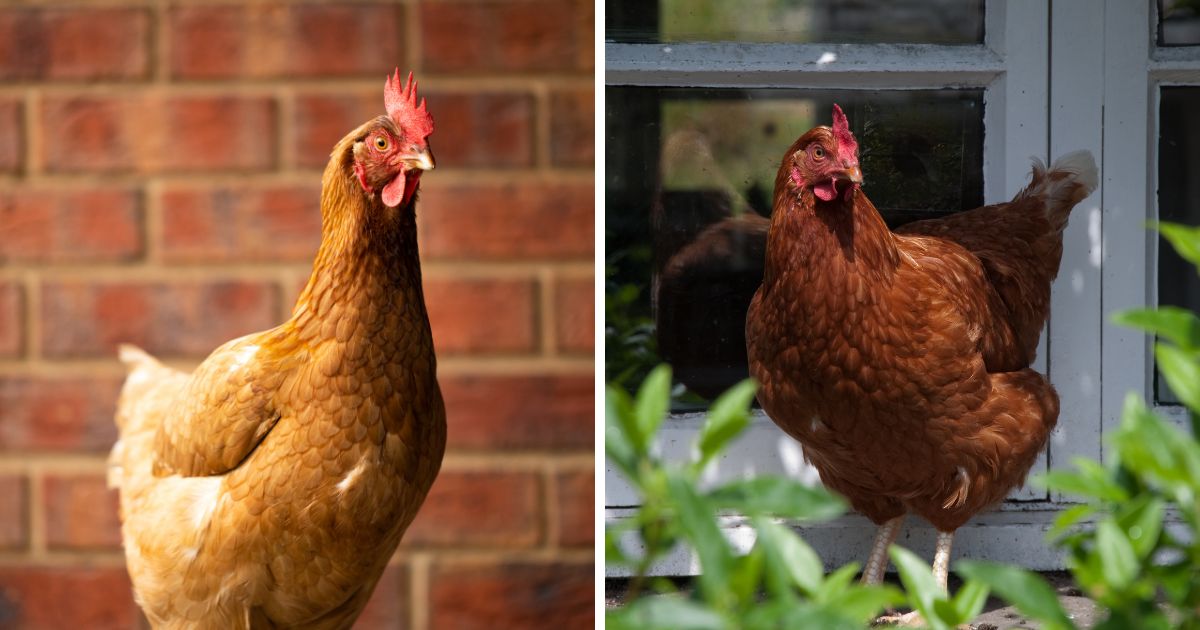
796	21
1178	199
688	192
1178	22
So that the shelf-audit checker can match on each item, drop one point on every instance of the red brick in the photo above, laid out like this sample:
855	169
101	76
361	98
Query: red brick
479	509
241	223
479	36
572	128
276	40
574	315
514	412
506	221
81	513
57	414
526	596
576	508
70	225
153	133
389	604
493	130
481	315
76	43
82	319
12	329
11	135
14	512
43	598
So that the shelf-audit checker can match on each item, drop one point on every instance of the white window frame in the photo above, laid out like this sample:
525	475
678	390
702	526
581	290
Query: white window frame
1131	130
1036	104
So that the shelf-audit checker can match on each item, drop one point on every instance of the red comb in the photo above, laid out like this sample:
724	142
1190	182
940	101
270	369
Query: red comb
847	145
401	104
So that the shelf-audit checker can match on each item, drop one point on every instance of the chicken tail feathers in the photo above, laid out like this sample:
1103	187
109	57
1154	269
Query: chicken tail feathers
134	357
1069	180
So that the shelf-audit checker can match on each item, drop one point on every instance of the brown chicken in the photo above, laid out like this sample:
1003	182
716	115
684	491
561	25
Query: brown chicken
269	488
900	360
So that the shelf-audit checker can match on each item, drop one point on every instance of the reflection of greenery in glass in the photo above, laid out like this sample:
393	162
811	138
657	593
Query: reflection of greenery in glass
717	20
797	21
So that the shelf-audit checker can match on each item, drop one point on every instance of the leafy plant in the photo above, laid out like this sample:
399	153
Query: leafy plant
781	582
1119	549
629	344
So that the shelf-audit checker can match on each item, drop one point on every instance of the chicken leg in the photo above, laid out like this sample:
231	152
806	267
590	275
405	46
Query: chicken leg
877	562
941	558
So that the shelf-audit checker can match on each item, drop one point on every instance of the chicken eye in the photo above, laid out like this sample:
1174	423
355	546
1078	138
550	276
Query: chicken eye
381	143
819	153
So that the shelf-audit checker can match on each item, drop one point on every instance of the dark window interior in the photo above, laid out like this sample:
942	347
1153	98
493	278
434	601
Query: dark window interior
689	184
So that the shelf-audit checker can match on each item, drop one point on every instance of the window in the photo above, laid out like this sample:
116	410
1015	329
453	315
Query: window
698	119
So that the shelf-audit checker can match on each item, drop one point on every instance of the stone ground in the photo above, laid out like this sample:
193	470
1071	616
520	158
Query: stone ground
996	615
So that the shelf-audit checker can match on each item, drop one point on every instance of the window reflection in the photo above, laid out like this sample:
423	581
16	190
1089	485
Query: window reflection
1178	199
1178	22
690	178
796	21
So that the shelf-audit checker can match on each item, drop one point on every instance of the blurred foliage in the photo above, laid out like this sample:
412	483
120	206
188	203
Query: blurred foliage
781	582
1119	547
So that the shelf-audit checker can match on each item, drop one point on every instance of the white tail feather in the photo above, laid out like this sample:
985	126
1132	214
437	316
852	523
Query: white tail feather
1083	165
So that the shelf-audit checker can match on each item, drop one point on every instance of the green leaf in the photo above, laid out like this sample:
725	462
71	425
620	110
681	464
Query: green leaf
697	523
1089	480
1070	517
789	558
918	581
863	603
810	616
1142	522
613	554
1182	371
619	432
727	417
1185	240
1169	322
777	496
837	582
969	600
1022	589
664	612
1117	559
746	576
653	400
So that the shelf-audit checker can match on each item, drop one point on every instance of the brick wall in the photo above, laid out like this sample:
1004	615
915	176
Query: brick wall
159	171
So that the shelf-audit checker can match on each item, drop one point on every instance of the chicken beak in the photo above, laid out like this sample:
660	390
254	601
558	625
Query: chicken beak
421	160
852	174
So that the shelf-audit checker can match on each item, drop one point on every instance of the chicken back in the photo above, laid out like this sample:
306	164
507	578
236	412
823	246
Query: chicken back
270	487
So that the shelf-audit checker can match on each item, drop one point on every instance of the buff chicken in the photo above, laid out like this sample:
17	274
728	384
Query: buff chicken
269	487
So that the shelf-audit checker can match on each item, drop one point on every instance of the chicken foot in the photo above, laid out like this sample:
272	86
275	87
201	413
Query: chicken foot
877	562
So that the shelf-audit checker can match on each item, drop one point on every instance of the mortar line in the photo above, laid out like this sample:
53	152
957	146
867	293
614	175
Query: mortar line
548	313
263	178
418	590
161	47
33	323
412	38
262	86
